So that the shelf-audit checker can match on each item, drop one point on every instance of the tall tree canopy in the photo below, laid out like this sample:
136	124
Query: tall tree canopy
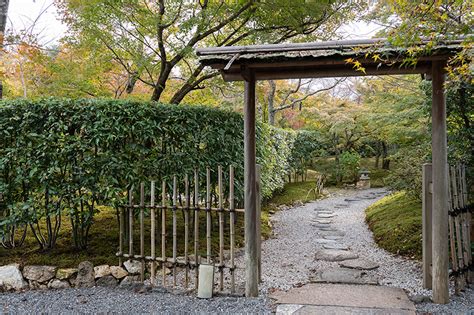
154	41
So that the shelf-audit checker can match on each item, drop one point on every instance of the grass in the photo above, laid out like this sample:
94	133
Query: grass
395	221
104	234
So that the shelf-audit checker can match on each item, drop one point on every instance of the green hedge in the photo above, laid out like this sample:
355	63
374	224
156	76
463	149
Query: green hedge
66	156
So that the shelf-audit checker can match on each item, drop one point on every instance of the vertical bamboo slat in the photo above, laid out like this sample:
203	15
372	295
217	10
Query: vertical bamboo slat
464	220
142	231
175	195
121	234
208	215
457	224
186	230
452	242
152	232
196	226
130	223
163	231
468	220
232	229
221	229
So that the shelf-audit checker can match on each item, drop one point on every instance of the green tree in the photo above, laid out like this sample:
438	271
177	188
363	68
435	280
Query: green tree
154	41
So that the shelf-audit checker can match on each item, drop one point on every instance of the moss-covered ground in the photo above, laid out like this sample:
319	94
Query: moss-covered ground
395	221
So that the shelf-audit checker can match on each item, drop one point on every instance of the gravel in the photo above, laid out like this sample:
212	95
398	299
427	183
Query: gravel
288	261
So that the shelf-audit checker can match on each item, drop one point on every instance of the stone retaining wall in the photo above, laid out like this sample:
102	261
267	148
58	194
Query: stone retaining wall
15	278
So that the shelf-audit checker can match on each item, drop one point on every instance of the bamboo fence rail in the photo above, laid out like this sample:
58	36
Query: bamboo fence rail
188	200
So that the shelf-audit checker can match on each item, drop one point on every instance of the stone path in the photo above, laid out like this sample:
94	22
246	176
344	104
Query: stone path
342	288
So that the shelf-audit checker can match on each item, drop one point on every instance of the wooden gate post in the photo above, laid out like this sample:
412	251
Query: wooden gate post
440	186
250	198
427	221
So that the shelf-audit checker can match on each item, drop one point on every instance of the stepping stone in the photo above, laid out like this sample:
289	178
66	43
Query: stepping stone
368	197
362	264
334	255
324	241
332	237
351	200
343	275
323	221
326	215
335	246
344	299
332	233
326	211
340	206
327	229
321	226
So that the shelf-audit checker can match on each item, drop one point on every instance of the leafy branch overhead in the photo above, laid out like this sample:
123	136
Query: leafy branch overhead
154	41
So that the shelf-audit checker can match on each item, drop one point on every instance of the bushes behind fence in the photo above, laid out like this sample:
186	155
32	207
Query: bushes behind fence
62	156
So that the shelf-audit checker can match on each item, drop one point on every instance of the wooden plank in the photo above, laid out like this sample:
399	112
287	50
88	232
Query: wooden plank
208	216
186	230
121	234
221	227
152	233
250	199
452	238
163	231
175	234
259	222
427	225
470	275
457	227
232	228
130	222
196	226
142	231
466	243
440	188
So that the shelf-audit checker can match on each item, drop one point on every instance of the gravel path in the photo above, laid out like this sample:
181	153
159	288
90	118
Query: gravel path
288	261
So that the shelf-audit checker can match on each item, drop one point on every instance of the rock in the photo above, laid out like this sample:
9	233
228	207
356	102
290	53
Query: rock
419	298
332	237
85	275
11	278
324	241
360	263
323	221
332	233
56	284
101	271
335	255
107	281
130	280
133	266
65	273
326	215
343	275
335	246
298	203
35	285
118	272
39	273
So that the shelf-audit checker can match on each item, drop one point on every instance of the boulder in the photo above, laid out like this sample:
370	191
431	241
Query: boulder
107	281
35	285
11	278
128	280
65	273
57	284
101	271
133	266
118	272
39	273
85	275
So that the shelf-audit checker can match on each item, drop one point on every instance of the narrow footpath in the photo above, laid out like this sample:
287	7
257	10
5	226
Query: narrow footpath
323	259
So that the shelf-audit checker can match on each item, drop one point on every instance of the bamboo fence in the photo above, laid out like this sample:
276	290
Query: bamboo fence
190	203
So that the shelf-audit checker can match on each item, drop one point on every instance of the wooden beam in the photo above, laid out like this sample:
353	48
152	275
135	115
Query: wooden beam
250	198
327	72
440	187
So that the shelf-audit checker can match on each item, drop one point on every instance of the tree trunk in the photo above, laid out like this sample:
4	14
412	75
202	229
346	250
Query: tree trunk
3	25
271	103
161	83
385	160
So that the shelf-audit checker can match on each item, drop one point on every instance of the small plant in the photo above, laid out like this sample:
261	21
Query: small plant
349	166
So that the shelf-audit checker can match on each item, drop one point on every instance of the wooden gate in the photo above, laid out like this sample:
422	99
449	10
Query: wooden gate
459	222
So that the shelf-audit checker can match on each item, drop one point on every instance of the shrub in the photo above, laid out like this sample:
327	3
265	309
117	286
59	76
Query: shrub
63	156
